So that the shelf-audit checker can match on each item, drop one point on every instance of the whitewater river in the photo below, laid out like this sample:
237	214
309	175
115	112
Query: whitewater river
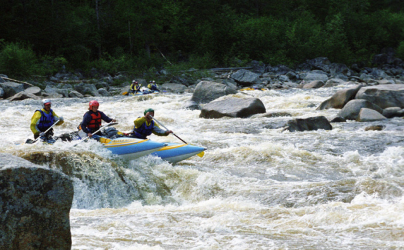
257	187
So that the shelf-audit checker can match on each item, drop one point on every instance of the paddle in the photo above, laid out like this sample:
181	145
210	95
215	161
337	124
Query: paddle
45	131
106	125
168	129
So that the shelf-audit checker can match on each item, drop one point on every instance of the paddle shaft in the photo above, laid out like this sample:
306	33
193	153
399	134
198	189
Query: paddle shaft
106	125
168	129
47	130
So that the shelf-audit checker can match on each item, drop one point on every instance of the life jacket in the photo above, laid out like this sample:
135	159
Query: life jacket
95	122
153	86
143	130
135	87
46	121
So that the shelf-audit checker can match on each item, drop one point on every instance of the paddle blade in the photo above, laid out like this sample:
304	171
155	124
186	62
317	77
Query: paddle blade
125	93
201	154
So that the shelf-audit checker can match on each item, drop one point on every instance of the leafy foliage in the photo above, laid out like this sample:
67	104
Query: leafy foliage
135	35
16	59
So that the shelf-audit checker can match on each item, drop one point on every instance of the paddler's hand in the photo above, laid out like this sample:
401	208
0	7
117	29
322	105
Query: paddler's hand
113	120
89	135
169	132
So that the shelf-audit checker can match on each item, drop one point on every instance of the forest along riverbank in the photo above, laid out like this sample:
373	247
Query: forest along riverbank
258	186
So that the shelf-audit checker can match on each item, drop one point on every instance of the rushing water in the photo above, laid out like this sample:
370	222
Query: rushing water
257	187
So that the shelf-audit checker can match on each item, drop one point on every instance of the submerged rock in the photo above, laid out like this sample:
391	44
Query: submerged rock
311	123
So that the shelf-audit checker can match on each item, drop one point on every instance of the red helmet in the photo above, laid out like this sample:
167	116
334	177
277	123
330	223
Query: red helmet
94	103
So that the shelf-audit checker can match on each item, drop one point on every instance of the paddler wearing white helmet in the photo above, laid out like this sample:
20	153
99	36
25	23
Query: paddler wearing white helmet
43	119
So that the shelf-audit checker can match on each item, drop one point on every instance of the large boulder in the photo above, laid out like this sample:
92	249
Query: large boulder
391	95
173	87
322	63
35	203
245	77
340	98
11	88
314	84
393	112
369	115
311	123
315	75
87	89
352	108
33	90
233	107
207	91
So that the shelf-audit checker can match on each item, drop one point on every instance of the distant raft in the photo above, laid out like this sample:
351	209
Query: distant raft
176	152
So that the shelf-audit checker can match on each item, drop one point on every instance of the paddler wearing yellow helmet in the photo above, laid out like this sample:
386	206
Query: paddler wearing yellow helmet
44	119
145	126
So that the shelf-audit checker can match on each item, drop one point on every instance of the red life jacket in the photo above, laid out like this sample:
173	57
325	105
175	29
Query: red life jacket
95	122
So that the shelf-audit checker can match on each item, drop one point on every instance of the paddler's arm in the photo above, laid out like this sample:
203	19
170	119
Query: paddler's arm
34	122
161	132
60	122
106	118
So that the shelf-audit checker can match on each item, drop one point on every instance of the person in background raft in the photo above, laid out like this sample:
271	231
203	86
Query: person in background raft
145	126
153	86
43	119
92	121
134	87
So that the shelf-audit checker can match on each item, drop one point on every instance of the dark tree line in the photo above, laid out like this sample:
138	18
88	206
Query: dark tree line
133	34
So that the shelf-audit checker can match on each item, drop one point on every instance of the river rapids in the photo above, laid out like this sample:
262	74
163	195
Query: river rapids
257	187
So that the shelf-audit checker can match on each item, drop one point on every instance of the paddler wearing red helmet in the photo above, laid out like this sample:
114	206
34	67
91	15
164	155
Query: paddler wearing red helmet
92	119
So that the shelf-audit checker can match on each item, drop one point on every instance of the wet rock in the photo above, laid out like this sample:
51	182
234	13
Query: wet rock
369	115
11	88
245	77
393	112
322	63
338	119
33	90
375	128
103	92
340	98
391	95
191	105
74	93
351	110
35	205
208	91
311	123
233	107
173	87
314	84
334	82
273	114
315	75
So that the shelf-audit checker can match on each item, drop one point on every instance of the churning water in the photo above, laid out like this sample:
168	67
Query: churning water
257	187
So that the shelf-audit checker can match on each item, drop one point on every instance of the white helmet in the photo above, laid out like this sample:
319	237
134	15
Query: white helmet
46	101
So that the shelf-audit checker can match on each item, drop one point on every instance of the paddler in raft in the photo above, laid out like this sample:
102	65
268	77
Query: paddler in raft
92	121
135	87
145	126
42	120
